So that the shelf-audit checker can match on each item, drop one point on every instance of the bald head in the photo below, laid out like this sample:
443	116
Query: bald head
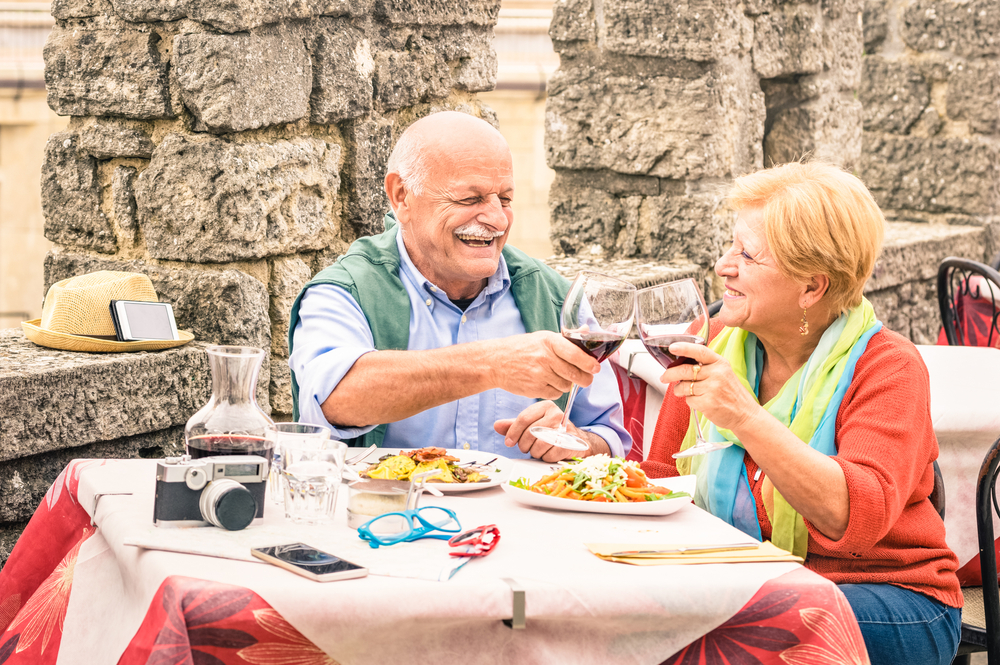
435	138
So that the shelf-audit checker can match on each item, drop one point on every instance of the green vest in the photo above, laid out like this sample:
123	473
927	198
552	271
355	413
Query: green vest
370	273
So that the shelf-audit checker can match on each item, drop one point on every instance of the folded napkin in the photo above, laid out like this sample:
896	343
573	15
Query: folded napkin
646	554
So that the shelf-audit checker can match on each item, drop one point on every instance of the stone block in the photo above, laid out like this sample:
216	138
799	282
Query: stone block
55	400
123	201
9	533
232	16
281	387
407	78
218	306
106	72
288	276
71	197
341	7
643	116
682	224
232	83
25	480
701	30
935	174
875	24
437	12
209	200
967	29
342	71
974	95
573	21
108	138
368	143
893	95
827	129
610	182
912	252
476	69
911	309
789	41
67	9
641	272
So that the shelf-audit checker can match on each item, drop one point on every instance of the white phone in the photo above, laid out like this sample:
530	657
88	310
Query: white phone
136	320
309	562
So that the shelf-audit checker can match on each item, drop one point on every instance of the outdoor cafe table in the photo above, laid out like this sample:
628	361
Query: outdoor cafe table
78	594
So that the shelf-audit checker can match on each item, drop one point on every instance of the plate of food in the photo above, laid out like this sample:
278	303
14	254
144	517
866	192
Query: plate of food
458	470
599	484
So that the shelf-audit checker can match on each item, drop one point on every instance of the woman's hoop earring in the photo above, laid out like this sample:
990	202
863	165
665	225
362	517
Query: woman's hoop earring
804	328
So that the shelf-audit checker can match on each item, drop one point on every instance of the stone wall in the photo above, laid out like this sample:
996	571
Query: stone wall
232	150
658	105
931	144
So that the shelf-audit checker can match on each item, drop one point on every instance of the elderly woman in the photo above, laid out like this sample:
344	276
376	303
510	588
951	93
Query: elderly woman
828	411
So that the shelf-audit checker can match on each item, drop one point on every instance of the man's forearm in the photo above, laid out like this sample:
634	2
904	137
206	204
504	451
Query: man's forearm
387	386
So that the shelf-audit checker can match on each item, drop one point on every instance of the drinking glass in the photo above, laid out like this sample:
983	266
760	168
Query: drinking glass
278	434
312	478
596	316
675	312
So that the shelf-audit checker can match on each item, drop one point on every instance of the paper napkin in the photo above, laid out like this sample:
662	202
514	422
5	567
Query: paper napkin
645	554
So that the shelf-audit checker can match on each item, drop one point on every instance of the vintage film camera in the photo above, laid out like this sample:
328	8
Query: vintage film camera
227	491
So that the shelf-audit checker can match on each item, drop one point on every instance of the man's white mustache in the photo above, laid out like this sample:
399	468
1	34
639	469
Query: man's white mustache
477	230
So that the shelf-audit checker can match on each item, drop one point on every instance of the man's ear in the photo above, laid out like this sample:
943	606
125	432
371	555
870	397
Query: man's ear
815	288
396	191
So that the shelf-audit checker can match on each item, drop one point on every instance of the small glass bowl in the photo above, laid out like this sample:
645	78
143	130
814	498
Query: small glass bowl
368	499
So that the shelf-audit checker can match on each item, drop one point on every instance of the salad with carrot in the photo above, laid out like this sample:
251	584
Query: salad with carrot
599	478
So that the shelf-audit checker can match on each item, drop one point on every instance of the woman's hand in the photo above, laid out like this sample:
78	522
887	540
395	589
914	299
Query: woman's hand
711	387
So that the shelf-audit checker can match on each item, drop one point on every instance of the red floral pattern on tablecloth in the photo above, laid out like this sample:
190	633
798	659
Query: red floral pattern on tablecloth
783	624
36	579
633	393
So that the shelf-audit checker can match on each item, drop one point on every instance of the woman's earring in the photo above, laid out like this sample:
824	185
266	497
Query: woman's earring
804	328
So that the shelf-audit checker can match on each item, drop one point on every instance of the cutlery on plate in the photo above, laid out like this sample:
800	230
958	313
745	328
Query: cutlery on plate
361	456
478	463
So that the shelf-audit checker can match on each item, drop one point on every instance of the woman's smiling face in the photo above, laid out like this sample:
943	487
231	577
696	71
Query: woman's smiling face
758	297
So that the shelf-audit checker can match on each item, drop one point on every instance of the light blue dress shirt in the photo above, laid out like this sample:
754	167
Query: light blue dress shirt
332	333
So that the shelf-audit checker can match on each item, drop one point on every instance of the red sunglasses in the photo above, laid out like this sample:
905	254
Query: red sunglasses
481	540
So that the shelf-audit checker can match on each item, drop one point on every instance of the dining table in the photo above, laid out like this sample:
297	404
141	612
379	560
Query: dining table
93	580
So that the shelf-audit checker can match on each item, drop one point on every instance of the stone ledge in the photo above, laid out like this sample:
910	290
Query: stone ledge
24	481
912	251
52	400
9	533
641	272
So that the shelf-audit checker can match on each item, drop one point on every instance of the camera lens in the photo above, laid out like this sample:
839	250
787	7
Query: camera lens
228	504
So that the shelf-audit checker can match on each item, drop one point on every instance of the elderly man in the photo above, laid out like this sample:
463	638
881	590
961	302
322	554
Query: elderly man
434	333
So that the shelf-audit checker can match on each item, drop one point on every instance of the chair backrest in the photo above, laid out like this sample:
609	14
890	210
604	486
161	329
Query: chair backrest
937	492
969	300
986	501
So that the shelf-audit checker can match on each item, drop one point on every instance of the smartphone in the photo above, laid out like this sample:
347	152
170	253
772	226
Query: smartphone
136	320
309	562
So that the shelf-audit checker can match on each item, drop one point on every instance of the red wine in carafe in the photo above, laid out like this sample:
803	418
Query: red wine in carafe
229	444
599	345
659	346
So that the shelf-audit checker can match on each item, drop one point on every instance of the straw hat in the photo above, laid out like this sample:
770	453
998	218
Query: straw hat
77	315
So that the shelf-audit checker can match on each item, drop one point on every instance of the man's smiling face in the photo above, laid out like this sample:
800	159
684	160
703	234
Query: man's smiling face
456	227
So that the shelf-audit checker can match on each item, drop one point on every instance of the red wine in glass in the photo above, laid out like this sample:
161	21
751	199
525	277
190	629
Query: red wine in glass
659	348
598	345
229	444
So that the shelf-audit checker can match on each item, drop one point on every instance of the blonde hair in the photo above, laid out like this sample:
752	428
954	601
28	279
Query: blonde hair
818	219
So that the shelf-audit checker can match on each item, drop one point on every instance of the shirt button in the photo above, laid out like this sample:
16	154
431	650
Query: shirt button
428	302
463	318
434	289
465	446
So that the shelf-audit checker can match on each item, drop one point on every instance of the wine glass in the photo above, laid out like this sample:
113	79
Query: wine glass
597	317
675	312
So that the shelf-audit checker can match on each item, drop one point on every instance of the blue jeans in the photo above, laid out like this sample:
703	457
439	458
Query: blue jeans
902	626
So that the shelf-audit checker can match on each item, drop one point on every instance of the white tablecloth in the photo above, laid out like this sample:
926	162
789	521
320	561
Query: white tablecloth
579	608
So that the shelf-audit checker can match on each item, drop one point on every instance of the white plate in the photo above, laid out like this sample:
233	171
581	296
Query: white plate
500	467
664	507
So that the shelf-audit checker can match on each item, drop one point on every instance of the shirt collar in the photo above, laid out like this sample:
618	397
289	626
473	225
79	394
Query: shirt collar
496	285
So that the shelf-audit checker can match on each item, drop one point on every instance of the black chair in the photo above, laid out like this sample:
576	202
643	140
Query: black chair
981	614
969	300
714	307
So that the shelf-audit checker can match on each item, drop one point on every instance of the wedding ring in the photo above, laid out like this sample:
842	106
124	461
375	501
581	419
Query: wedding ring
692	389
694	372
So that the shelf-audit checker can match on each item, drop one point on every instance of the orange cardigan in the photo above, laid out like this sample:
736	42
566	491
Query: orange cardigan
886	445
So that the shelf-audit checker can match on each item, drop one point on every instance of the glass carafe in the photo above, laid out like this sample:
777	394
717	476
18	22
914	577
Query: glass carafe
231	423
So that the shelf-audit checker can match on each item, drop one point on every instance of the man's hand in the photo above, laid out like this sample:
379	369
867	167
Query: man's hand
545	414
541	364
